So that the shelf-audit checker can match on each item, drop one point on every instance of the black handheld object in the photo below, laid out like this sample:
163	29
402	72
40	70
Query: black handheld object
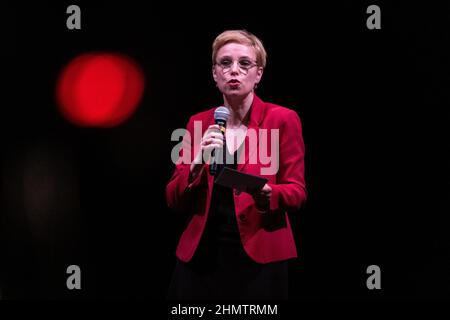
240	181
221	115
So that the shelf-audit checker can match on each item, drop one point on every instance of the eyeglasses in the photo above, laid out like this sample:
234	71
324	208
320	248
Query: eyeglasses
243	64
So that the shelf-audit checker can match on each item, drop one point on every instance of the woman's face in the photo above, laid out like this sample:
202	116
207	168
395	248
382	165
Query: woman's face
235	70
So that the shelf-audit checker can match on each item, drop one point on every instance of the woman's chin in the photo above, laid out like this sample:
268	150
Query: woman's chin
236	93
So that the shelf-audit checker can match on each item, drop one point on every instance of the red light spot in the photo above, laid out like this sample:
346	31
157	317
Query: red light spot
99	89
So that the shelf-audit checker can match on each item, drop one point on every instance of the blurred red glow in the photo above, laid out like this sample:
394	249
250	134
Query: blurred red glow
99	89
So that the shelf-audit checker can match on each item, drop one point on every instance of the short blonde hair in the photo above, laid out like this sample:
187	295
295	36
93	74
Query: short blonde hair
241	37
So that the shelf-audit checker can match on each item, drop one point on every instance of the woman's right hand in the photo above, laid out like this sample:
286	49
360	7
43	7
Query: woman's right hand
212	139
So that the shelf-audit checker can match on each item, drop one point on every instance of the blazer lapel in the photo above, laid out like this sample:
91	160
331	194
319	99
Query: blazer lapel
251	142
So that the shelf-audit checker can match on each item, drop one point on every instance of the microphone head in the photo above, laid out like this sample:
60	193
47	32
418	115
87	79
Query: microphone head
221	114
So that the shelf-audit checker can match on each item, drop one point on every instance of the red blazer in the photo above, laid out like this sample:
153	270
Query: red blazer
266	237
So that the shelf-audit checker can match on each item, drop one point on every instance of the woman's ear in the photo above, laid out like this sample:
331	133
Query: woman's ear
259	74
214	74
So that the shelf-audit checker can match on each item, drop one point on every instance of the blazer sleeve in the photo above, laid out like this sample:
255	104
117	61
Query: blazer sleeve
180	187
289	193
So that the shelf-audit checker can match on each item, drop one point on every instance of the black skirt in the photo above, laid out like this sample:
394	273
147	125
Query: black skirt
220	268
232	276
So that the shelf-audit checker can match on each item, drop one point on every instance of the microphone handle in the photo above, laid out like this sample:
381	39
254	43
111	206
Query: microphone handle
213	167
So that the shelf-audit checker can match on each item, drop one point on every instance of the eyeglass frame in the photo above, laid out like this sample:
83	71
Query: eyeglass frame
243	70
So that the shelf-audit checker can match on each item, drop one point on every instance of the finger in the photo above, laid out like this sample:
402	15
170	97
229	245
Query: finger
210	141
213	129
211	147
205	142
217	141
215	135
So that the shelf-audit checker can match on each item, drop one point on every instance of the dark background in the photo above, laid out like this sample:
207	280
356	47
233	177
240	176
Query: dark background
374	109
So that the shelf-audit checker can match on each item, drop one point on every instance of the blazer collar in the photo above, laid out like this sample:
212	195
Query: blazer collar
257	111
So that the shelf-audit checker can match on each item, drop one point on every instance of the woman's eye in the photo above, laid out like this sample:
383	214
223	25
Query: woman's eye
245	63
225	63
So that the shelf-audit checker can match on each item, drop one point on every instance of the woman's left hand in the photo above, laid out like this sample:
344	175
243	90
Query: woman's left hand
262	198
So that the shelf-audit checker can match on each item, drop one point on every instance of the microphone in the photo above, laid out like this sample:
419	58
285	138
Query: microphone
221	115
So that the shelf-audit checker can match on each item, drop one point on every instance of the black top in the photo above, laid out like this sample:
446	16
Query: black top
222	215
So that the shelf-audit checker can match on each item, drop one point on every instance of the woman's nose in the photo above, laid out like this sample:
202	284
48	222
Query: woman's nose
235	67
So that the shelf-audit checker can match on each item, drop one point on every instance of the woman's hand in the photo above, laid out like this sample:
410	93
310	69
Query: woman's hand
212	139
262	198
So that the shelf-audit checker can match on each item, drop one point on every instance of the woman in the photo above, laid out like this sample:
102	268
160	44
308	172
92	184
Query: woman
236	245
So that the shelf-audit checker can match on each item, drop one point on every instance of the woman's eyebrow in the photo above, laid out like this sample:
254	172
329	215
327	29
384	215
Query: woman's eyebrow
241	57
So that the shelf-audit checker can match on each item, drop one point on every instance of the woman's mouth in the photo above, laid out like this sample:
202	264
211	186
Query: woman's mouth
234	84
